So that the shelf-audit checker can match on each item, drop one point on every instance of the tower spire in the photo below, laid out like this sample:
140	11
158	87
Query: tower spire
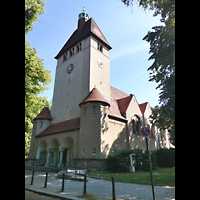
82	18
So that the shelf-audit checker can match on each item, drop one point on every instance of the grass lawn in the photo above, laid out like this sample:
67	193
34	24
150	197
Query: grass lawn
161	177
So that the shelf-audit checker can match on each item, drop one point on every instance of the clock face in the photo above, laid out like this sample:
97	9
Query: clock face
100	63
70	68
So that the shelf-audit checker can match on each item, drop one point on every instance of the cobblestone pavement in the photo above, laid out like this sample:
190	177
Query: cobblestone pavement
100	188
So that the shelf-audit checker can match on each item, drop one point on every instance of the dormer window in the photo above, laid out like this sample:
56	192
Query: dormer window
100	47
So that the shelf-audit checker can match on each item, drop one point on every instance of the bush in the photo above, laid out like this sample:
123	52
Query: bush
166	158
119	161
145	161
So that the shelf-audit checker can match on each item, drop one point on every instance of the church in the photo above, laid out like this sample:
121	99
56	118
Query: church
89	118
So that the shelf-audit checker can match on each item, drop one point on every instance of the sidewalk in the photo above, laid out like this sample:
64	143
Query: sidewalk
100	188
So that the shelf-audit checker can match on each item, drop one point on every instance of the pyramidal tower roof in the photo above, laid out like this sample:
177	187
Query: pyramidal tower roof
44	114
85	28
94	96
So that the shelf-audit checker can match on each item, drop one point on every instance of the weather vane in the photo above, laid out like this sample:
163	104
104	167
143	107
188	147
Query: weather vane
83	8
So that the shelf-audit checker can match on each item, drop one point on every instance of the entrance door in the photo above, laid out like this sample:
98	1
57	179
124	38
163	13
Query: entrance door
42	158
64	157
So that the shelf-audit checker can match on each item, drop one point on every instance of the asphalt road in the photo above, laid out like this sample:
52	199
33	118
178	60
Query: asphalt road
100	188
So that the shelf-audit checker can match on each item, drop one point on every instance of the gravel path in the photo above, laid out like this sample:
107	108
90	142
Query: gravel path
100	188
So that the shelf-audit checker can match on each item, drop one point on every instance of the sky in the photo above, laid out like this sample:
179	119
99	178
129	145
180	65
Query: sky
123	27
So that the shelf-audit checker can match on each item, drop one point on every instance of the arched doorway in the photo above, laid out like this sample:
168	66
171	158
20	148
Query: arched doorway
67	151
53	152
42	152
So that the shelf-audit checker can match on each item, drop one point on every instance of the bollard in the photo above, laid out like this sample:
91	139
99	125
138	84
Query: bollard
32	177
113	189
84	189
45	183
63	182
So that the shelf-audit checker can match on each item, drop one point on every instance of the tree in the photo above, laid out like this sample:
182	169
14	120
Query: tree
33	8
36	77
162	50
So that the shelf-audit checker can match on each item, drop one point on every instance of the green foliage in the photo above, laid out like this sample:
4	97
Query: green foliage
162	50
36	77
166	158
33	8
119	161
145	161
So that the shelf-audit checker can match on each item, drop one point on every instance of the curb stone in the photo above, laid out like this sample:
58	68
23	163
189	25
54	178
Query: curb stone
63	196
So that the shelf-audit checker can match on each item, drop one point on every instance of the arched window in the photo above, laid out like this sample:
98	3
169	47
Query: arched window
136	124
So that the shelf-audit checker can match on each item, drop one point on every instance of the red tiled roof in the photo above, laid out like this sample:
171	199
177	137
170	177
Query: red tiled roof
60	127
114	109
89	28
124	103
143	107
94	95
117	94
44	114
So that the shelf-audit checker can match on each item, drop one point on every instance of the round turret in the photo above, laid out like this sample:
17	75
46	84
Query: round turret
82	18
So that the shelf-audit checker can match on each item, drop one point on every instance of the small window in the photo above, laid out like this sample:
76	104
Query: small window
71	52
94	109
78	47
65	56
41	124
84	111
94	151
83	151
100	47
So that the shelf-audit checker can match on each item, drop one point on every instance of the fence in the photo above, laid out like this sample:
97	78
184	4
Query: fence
84	183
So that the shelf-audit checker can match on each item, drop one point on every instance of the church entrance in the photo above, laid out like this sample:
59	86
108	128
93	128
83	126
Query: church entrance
66	152
64	157
42	158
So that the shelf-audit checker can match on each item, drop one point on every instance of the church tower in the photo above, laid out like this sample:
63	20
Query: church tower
82	64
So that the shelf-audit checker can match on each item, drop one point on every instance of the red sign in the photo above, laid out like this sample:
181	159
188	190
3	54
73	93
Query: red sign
145	132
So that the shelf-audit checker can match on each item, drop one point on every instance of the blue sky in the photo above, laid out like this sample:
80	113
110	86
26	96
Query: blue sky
124	27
